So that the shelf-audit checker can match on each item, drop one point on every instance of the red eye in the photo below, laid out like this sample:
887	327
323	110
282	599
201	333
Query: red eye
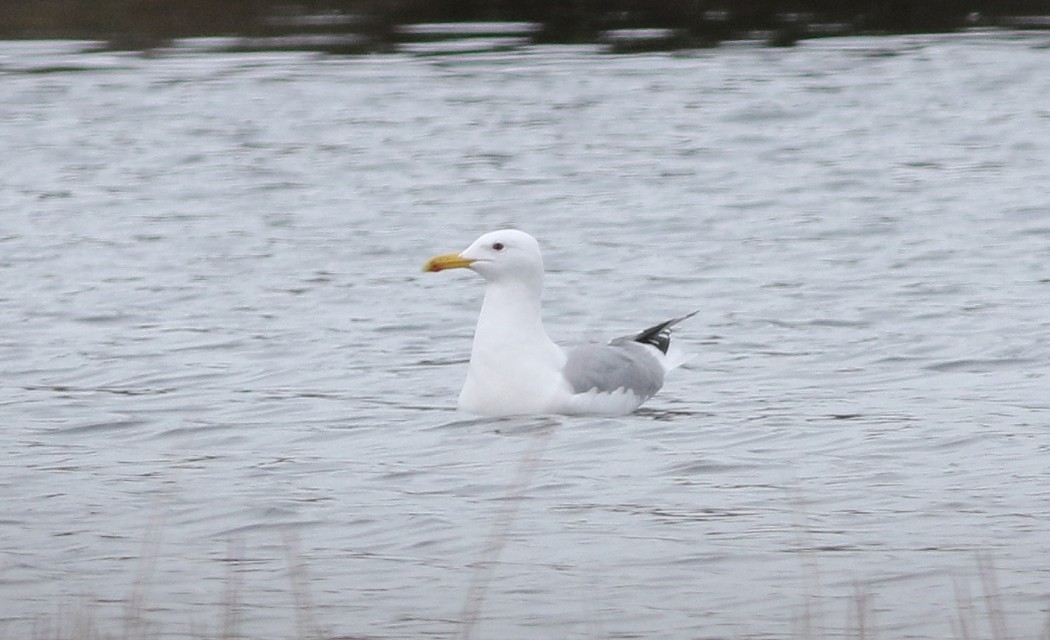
498	246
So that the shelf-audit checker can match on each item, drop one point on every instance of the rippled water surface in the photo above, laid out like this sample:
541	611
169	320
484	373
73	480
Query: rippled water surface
229	394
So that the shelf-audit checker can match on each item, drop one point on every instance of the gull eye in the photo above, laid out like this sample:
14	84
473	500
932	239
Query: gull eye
498	246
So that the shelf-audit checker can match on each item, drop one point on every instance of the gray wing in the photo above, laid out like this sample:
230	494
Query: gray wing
618	365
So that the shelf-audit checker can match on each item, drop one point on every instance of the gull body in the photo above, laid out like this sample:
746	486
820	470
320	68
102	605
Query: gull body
516	369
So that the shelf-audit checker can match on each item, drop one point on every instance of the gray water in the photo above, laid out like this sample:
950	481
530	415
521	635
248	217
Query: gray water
229	393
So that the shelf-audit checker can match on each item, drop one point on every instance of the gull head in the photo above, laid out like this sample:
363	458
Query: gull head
499	256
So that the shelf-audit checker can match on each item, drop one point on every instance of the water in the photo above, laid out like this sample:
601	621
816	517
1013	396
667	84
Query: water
228	392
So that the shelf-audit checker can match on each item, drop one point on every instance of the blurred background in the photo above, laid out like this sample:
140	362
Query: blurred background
380	25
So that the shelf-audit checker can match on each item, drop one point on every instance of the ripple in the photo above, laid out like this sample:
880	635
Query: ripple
979	365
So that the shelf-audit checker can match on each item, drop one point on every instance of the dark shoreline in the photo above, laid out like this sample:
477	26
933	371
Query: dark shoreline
370	26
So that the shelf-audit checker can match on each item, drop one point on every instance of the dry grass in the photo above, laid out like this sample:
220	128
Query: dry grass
980	617
975	618
497	538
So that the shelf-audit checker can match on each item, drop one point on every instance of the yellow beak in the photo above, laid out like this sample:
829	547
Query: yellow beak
446	261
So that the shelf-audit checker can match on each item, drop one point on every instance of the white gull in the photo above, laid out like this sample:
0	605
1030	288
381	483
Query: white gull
515	368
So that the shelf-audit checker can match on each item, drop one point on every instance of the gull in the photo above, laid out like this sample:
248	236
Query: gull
516	369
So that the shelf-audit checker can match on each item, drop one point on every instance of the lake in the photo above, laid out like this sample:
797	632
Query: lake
229	392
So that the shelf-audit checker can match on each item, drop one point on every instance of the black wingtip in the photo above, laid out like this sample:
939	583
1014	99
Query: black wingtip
660	335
